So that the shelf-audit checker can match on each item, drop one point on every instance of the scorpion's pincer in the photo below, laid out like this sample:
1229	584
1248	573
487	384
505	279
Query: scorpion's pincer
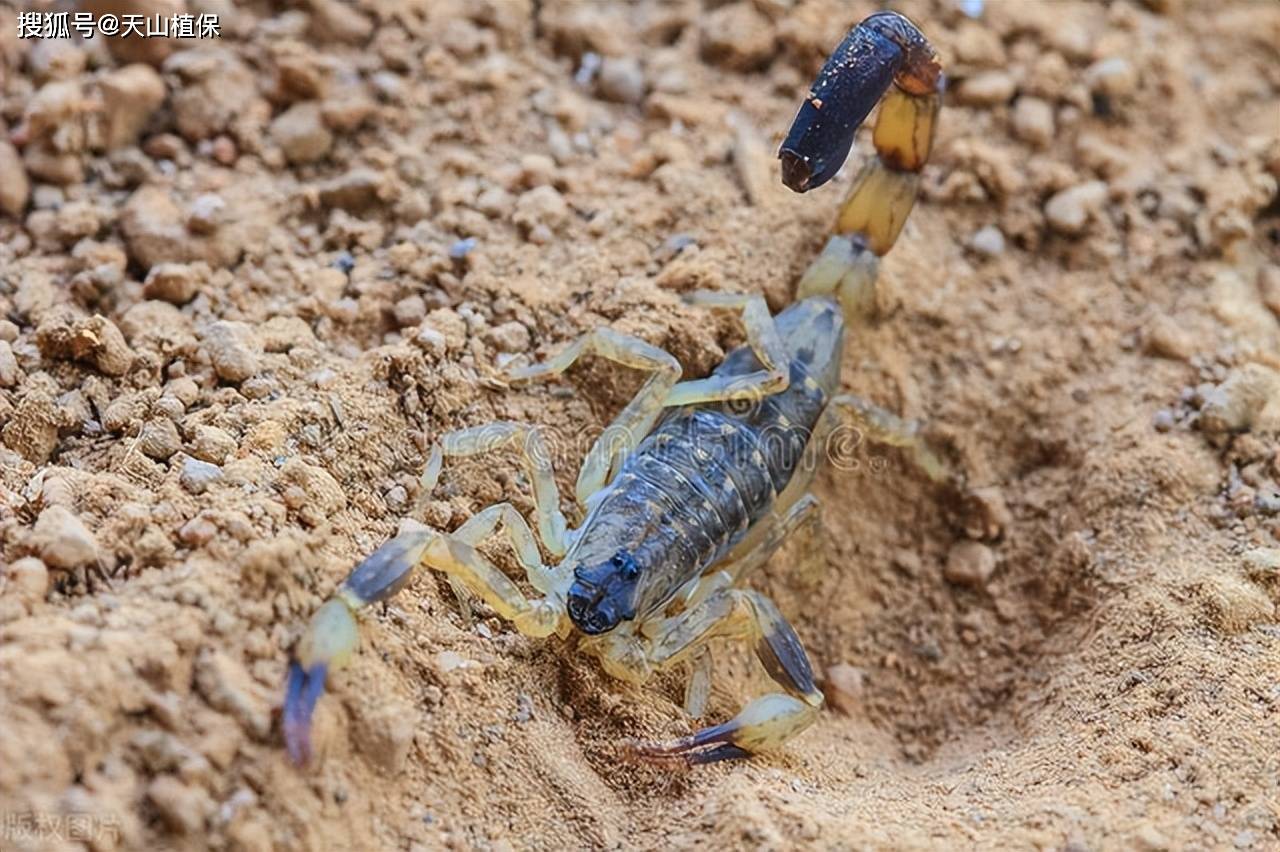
327	645
332	637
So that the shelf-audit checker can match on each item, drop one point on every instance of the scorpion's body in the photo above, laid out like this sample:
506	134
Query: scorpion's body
696	483
706	475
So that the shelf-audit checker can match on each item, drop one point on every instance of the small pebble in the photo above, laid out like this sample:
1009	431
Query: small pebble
63	540
1069	211
169	406
542	206
1268	289
184	389
673	245
524	709
159	439
8	366
1236	404
1115	77
986	89
27	579
621	80
301	134
462	248
396	498
588	67
212	444
1033	121
411	310
1165	338
176	283
987	241
197	532
1267	502
198	475
447	661
1164	420
969	563
508	337
344	262
183	807
15	186
230	350
205	213
846	687
431	340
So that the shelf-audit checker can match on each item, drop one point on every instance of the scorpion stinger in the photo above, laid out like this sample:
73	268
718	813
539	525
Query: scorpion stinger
885	55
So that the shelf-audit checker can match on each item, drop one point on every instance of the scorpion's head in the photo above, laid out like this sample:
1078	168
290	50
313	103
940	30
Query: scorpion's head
604	595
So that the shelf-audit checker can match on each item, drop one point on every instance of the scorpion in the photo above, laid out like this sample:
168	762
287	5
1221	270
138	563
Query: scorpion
689	490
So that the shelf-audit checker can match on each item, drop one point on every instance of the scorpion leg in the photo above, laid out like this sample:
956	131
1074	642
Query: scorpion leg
766	344
332	636
766	722
698	688
761	543
547	579
495	436
635	421
885	427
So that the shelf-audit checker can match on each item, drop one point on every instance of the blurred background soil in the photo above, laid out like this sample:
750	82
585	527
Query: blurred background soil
245	282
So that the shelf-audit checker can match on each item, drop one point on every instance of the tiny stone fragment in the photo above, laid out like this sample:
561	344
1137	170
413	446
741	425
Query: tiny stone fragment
969	563
845	687
198	475
988	241
63	540
1069	211
986	89
231	350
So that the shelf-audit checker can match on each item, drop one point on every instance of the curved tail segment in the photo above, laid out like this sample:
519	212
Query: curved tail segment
885	58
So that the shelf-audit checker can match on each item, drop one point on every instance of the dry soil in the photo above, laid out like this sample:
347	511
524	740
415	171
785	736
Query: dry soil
244	283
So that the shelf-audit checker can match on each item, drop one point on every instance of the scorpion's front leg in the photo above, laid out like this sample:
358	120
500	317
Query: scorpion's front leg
766	722
332	637
492	437
634	421
765	342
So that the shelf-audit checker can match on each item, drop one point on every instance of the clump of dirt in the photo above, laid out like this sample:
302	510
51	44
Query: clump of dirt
247	281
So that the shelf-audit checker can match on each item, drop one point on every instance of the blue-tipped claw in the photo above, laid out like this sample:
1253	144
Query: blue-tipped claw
304	690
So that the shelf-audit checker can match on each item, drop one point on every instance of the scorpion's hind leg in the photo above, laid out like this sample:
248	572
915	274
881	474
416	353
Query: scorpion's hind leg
765	342
634	421
753	552
884	427
766	722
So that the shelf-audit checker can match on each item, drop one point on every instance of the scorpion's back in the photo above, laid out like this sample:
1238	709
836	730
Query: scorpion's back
707	472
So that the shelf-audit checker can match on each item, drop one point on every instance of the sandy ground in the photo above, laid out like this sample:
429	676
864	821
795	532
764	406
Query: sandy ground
235	310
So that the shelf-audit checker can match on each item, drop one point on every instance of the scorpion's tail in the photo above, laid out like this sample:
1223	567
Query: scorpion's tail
887	57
